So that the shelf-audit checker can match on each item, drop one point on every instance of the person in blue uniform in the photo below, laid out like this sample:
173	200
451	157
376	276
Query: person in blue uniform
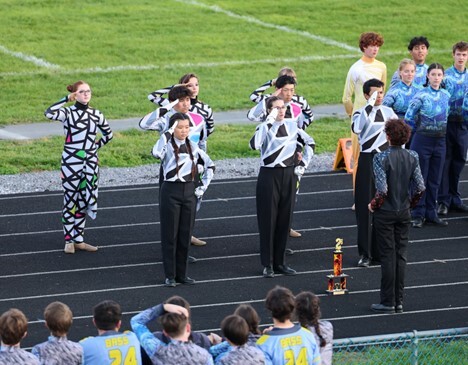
427	116
396	172
456	77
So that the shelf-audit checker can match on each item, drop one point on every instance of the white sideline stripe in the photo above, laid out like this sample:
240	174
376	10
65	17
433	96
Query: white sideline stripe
283	28
258	277
28	58
203	64
202	220
9	135
213	258
226	200
113	189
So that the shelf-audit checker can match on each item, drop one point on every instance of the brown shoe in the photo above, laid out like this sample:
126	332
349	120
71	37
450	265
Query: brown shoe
293	233
69	248
197	242
85	247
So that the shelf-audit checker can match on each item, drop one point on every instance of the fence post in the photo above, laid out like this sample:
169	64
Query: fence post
414	345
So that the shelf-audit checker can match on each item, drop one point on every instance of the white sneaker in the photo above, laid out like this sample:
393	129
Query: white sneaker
69	248
197	242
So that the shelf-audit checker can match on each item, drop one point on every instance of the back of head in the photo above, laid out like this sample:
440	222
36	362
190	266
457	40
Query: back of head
174	324
284	80
397	131
371	83
370	39
307	309
59	318
179	92
250	315
280	302
417	41
107	315
235	329
13	326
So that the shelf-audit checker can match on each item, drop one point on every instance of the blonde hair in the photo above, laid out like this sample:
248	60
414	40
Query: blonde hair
404	62
288	71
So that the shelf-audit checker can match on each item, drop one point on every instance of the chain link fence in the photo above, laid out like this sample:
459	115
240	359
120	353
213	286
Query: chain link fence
415	348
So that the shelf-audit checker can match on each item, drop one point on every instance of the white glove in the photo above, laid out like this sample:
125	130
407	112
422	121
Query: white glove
199	192
171	104
200	169
274	114
299	170
174	126
373	98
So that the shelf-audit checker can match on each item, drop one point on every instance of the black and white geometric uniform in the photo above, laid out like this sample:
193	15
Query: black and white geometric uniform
278	143
158	120
197	107
298	108
180	170
80	170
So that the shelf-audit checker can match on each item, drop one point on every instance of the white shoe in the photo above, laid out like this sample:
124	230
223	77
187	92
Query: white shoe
69	248
294	234
353	207
197	242
85	247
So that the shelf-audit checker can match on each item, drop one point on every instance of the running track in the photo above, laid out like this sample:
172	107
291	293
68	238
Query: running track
127	268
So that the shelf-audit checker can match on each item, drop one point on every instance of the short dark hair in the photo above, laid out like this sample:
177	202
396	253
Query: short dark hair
417	41
250	315
285	80
370	39
13	326
173	324
235	329
280	302
434	66
371	83
461	46
59	318
397	131
177	116
178	92
107	315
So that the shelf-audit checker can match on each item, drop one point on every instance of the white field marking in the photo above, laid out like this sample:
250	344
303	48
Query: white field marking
10	135
111	189
203	64
28	58
206	219
217	200
250	19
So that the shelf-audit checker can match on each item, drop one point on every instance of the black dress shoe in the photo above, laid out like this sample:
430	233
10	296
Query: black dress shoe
438	222
399	308
417	223
363	262
285	270
191	260
442	209
186	281
171	283
460	208
380	308
289	252
268	272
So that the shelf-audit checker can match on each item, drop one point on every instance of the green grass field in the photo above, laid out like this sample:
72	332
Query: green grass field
127	48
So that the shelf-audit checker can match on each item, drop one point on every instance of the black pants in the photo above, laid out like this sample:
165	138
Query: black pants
177	207
276	190
364	192
392	236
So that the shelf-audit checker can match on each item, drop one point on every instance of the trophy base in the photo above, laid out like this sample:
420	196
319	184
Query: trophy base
338	287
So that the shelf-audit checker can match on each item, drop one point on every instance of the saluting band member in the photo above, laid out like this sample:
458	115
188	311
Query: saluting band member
278	140
80	170
178	194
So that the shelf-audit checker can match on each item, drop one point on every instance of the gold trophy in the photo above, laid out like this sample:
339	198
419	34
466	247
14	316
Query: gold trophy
337	281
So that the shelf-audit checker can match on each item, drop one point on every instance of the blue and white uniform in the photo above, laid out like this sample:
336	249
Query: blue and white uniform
58	351
173	353
295	345
419	76
111	347
456	139
399	97
16	355
427	116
